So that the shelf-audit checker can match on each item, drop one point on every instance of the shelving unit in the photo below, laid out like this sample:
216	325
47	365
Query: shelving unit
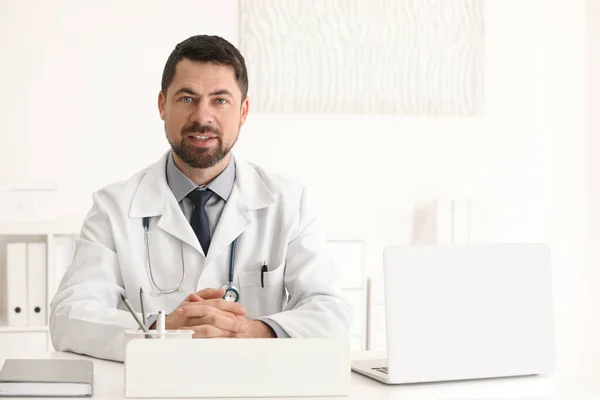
349	256
58	236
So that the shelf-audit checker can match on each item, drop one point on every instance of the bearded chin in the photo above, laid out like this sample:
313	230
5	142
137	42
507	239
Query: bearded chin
197	157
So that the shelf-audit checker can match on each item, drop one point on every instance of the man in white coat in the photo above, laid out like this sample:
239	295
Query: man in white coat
196	223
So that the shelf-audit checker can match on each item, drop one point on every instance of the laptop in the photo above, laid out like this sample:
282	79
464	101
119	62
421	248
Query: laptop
465	312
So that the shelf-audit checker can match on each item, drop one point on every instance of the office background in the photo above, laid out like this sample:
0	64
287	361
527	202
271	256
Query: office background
519	142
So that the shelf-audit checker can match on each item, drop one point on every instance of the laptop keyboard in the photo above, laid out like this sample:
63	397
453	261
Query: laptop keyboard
383	370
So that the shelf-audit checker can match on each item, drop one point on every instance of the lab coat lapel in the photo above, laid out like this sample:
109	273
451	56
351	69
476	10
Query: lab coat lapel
155	198
249	193
174	222
232	223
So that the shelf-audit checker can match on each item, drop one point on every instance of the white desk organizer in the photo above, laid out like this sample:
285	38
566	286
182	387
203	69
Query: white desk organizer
237	368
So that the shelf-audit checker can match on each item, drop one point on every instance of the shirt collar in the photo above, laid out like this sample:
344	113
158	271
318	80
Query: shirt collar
181	185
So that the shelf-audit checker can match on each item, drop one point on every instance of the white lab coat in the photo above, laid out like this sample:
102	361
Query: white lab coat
273	221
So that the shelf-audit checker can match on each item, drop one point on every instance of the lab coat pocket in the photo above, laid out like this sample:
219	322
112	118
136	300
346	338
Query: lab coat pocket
262	301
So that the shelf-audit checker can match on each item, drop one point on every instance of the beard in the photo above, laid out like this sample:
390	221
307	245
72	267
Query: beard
197	157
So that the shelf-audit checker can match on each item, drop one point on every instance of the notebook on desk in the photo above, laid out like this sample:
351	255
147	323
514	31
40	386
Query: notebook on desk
46	378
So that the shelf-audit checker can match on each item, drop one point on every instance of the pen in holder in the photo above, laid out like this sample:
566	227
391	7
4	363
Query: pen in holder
160	324
141	324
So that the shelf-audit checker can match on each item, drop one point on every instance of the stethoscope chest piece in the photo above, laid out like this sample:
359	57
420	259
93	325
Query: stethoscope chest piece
231	293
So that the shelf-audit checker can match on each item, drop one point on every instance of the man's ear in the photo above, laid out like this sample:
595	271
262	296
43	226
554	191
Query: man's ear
162	102
244	110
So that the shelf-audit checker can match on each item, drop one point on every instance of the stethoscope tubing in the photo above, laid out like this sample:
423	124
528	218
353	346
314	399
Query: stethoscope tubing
146	225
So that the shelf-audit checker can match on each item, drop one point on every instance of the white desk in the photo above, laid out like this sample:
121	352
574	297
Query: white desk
109	384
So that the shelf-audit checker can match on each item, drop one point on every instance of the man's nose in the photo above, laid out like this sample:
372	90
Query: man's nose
203	114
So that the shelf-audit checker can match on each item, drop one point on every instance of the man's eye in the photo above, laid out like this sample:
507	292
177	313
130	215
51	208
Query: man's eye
221	101
186	99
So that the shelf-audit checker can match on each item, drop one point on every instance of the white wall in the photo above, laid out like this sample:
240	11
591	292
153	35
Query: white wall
592	146
564	112
571	118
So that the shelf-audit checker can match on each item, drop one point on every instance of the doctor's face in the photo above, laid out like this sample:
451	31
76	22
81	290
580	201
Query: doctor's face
203	112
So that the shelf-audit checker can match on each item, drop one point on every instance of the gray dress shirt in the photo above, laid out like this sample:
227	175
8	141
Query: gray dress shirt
222	186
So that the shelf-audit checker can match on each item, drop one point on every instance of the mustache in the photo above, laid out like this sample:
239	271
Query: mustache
196	127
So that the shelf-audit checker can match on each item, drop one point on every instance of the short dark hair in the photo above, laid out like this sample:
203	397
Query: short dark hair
205	48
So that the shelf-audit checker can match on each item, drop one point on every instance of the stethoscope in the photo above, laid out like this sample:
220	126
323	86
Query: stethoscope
231	292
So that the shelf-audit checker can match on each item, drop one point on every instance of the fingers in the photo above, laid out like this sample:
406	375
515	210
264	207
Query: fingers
193	298
209	331
176	320
200	309
230	306
225	323
205	294
210	293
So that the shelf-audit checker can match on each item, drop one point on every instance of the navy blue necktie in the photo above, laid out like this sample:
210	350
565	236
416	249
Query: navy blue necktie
199	220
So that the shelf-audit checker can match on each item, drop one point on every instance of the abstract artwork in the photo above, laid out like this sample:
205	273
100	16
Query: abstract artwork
403	57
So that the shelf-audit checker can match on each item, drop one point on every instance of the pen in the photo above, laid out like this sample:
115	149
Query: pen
144	320
160	324
262	274
142	327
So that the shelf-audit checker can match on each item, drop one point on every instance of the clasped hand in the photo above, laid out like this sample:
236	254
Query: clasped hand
210	316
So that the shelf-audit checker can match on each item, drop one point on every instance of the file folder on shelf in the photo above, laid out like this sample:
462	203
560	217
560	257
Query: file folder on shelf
237	368
16	284
36	284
